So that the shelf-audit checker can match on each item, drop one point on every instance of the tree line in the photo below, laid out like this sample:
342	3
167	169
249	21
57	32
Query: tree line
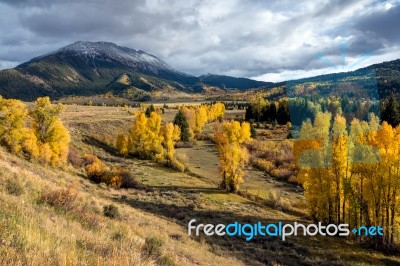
351	174
262	110
150	138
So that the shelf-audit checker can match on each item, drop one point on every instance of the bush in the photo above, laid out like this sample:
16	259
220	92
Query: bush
293	179
98	172
275	201
95	168
281	173
153	246
177	165
74	159
166	260
263	164
184	144
14	187
63	198
111	211
128	180
112	179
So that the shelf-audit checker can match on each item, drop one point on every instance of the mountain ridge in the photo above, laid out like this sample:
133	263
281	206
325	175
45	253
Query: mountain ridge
88	68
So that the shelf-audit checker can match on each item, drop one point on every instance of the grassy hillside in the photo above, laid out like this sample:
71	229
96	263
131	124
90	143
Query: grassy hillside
54	217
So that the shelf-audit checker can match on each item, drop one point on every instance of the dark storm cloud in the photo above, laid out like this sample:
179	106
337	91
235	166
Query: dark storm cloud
383	24
272	40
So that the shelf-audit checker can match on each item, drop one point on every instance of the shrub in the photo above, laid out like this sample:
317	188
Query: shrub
166	260
128	180
184	144
111	211
14	187
74	159
63	198
263	164
95	168
275	201
153	246
112	179
98	172
177	165
281	173
293	179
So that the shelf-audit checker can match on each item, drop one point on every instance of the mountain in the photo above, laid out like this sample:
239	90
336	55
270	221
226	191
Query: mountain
90	68
232	82
93	68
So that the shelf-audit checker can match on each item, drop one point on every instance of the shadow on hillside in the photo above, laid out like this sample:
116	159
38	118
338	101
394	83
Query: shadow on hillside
266	250
260	250
205	190
99	144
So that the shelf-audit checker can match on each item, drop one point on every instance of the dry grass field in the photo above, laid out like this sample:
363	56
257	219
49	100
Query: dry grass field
57	217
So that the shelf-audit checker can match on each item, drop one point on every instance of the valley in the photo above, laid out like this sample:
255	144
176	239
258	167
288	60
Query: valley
160	209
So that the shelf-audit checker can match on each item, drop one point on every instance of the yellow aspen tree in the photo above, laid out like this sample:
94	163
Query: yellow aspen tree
52	136
171	134
190	115
232	156
258	103
316	177
12	124
138	136
201	118
381	187
339	165
122	144
216	111
146	137
154	137
30	143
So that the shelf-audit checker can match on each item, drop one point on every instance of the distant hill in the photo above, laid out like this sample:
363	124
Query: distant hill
228	82
377	81
90	68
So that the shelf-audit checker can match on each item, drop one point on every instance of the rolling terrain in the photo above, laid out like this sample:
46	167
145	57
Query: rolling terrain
152	226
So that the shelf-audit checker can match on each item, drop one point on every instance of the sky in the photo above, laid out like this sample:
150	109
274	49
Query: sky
273	40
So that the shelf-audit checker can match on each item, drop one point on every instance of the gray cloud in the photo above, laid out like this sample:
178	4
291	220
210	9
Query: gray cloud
383	24
240	38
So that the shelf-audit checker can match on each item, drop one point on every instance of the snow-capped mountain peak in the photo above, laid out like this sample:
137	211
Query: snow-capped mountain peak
110	52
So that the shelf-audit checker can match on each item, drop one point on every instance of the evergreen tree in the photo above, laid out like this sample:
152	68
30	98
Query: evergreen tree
181	121
391	112
149	110
249	113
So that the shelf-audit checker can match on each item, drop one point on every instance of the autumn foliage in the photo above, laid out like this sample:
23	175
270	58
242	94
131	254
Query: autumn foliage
37	133
98	172
229	137
150	139
198	116
352	175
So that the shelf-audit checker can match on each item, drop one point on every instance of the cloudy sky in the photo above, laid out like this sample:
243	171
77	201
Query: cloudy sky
267	40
